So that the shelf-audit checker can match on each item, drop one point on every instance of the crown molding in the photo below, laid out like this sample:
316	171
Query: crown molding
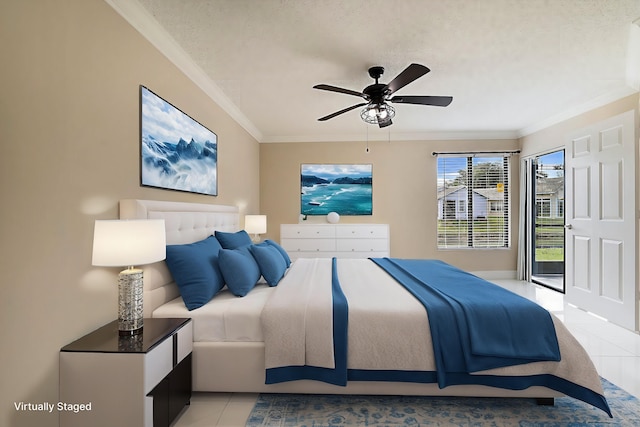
138	17
391	136
598	102
145	24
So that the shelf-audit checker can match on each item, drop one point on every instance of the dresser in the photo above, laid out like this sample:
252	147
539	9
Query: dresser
335	240
142	380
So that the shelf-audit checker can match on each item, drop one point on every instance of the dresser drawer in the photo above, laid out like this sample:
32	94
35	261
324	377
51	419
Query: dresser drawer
307	231
362	231
335	240
308	245
362	245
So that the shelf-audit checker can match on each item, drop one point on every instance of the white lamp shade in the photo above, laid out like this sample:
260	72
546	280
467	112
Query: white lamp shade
120	243
255	224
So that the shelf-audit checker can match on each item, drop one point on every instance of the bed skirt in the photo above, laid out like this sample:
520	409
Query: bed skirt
239	367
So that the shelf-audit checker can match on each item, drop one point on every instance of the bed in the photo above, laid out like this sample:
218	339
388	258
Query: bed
230	332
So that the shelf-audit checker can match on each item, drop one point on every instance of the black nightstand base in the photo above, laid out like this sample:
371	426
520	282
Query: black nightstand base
172	394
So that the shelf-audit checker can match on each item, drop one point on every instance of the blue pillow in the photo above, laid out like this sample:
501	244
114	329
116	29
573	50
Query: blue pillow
239	269
233	240
195	269
280	249
272	265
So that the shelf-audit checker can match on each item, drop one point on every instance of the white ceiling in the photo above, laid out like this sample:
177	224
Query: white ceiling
512	66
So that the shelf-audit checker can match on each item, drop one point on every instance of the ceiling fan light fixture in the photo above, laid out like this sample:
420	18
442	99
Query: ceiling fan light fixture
376	113
376	110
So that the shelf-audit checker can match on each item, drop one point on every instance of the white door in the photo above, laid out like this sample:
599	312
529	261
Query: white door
600	220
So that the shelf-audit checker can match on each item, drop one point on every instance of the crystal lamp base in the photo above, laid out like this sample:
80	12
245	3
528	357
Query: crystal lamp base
130	313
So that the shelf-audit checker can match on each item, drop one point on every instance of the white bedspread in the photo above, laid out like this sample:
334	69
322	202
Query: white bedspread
388	328
301	302
226	318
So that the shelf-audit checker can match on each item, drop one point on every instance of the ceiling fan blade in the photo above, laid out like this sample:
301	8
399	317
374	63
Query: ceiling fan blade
411	73
385	123
340	90
438	101
337	113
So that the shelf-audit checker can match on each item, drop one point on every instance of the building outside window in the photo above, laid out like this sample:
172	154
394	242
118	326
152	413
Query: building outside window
478	185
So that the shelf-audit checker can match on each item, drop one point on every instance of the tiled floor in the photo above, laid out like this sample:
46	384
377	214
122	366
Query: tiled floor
614	351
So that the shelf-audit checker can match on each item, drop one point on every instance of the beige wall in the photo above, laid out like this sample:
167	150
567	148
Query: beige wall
69	115
554	136
70	151
404	193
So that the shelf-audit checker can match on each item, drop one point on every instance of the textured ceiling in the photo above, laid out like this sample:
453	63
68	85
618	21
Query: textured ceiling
511	66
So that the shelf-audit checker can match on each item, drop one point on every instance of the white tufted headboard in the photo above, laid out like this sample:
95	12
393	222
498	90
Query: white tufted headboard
184	223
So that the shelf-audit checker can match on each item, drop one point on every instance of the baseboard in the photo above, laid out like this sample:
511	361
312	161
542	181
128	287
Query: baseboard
496	274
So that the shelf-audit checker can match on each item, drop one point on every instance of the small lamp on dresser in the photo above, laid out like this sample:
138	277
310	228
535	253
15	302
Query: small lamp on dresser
255	224
126	243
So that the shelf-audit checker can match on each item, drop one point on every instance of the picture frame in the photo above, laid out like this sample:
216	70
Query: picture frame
176	151
346	189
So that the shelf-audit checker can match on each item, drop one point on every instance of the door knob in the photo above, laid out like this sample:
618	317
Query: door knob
568	226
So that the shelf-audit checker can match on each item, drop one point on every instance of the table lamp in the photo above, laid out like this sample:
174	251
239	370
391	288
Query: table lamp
255	224
126	243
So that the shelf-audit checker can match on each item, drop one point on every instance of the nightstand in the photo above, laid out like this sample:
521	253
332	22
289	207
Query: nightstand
139	380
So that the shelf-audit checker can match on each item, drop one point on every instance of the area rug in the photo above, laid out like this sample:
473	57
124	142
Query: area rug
284	410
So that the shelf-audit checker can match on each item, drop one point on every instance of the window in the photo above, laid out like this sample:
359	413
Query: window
543	208
561	208
478	184
496	205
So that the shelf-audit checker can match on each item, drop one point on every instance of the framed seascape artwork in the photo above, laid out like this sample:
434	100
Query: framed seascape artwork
177	152
345	189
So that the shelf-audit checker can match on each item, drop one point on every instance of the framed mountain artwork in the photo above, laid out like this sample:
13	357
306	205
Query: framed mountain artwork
177	152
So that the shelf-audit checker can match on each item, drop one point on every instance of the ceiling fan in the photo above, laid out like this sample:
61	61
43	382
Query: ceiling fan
377	110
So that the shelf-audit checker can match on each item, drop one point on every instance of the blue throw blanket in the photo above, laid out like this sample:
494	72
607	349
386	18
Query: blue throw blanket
475	325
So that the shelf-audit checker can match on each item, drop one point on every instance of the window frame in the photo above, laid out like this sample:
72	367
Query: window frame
471	238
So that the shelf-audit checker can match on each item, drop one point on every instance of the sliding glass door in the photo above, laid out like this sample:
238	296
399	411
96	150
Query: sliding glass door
547	234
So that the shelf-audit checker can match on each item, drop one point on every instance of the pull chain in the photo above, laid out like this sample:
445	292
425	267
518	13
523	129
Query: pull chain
367	150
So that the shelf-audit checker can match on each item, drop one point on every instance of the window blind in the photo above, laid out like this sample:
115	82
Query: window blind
473	200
